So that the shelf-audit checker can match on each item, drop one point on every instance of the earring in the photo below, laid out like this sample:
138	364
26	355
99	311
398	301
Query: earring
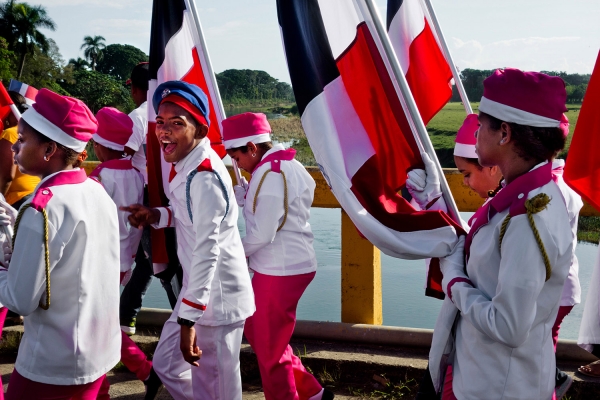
253	154
46	158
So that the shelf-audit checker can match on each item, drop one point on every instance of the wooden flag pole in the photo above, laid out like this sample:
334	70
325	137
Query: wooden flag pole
191	5
446	49
411	105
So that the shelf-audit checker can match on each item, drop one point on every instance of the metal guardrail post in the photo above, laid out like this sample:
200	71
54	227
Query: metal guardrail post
361	277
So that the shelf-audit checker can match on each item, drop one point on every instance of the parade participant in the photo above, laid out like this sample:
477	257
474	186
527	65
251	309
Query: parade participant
206	326
135	290
279	245
63	275
14	185
125	185
518	251
484	181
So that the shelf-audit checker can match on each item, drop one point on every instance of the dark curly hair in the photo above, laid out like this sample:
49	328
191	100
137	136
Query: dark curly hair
531	143
70	155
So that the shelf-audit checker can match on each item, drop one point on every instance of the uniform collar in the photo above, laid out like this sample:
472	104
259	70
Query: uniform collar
275	154
43	192
190	162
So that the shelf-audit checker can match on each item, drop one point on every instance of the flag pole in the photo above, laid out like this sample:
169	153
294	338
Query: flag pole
191	5
446	49
412	108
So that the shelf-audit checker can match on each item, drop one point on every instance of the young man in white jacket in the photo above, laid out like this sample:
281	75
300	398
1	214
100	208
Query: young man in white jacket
205	329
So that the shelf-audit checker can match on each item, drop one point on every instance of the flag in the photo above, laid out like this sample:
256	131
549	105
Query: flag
357	126
29	92
582	168
5	103
427	71
175	54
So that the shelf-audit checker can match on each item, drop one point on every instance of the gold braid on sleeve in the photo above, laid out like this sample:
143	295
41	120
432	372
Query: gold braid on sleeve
46	249
533	206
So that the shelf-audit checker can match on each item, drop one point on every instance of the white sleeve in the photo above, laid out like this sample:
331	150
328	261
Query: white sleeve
508	317
24	284
166	218
208	210
269	214
139	132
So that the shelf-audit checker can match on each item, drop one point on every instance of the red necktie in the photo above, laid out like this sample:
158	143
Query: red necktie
172	173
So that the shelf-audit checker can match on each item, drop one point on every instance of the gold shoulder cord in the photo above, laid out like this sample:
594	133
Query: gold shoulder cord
47	251
285	197
533	206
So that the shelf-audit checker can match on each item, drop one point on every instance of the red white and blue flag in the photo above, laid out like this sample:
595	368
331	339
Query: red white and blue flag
425	67
29	92
357	126
175	54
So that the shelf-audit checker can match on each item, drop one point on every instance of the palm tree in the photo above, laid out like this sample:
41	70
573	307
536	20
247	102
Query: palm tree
93	47
25	21
80	64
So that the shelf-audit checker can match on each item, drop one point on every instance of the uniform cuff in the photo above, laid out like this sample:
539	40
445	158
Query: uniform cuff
191	310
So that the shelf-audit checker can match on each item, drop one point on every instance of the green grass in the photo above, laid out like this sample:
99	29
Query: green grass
588	230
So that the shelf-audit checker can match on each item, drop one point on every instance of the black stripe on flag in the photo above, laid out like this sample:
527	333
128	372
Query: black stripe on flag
392	9
167	19
309	57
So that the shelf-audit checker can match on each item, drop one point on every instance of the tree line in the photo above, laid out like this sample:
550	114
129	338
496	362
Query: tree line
472	79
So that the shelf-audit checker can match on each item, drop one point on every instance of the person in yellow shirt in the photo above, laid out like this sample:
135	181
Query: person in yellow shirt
14	185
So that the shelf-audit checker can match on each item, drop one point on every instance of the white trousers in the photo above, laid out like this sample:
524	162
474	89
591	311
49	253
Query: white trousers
218	376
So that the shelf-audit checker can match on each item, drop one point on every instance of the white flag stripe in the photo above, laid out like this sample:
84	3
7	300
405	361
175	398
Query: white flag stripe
340	24
178	53
406	25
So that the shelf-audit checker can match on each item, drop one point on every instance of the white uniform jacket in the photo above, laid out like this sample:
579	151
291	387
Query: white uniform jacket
571	294
137	141
125	186
77	340
216	284
503	341
288	251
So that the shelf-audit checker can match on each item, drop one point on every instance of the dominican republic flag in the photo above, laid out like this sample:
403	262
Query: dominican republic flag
6	106
175	54
29	92
423	62
357	128
582	168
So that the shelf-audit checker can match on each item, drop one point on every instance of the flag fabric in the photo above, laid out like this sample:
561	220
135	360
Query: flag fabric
427	71
175	54
5	103
357	127
582	168
29	92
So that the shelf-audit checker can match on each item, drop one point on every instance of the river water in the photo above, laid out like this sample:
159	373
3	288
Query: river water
404	302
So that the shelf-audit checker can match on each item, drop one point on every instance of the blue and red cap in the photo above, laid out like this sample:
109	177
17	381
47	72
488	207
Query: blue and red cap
186	95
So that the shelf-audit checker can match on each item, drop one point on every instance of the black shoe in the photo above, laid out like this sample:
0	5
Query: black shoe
563	387
153	385
327	395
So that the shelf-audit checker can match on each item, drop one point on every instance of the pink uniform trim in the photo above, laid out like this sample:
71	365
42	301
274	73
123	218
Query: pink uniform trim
276	158
453	281
194	305
111	164
43	194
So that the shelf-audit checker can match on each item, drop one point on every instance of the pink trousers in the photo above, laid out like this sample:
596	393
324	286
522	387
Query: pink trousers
269	332
3	312
134	359
20	388
563	311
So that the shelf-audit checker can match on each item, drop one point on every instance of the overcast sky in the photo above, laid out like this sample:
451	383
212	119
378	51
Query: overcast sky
244	34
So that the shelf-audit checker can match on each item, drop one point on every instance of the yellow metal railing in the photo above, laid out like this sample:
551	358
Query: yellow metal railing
361	261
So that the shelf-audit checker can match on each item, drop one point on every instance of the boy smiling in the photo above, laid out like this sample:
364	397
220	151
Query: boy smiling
205	328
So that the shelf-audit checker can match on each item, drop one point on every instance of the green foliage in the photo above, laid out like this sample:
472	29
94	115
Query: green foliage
6	57
243	85
93	49
46	69
119	59
98	90
588	229
20	26
79	64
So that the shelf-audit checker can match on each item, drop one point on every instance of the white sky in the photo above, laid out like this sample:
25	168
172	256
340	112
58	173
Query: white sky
244	34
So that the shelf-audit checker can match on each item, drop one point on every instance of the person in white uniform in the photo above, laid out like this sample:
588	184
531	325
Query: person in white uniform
64	273
279	245
518	252
198	353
